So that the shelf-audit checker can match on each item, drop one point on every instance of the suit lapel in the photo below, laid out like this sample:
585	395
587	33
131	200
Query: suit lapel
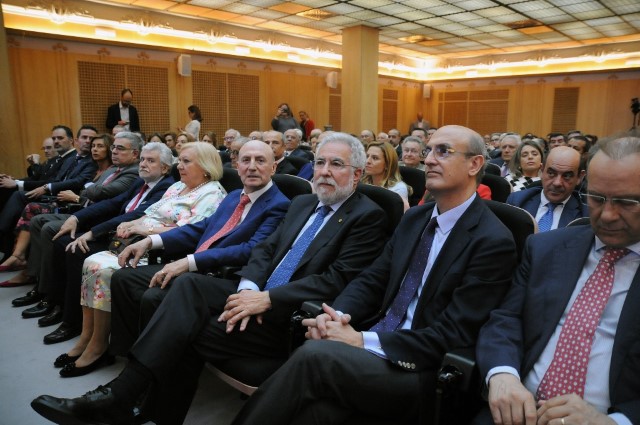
299	218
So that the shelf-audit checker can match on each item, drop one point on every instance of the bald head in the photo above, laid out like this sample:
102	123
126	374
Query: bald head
256	165
561	173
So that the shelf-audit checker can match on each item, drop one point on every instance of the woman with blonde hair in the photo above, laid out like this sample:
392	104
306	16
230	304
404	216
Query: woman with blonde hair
381	169
195	197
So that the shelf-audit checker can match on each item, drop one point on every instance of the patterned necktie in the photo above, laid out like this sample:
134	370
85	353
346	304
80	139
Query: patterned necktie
568	369
282	274
228	226
111	177
137	199
544	225
412	281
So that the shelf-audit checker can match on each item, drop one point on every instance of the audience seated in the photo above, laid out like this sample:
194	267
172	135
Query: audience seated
525	165
204	319
275	140
556	203
381	169
412	152
508	145
292	138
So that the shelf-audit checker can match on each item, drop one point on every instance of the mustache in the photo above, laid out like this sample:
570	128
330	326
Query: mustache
326	180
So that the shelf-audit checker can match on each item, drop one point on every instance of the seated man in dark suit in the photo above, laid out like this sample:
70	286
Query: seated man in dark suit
577	291
325	240
508	146
93	225
428	293
137	291
556	203
283	165
123	113
292	140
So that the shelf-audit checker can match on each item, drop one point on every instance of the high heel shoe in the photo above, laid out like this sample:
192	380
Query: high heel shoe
63	359
22	264
70	370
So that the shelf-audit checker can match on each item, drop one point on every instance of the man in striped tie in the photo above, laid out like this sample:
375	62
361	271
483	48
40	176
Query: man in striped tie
204	318
244	218
564	347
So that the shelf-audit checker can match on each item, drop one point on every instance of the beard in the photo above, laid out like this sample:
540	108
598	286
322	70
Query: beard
328	197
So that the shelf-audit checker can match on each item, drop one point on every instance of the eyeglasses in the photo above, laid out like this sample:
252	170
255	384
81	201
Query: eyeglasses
234	153
335	165
120	148
229	139
443	152
597	201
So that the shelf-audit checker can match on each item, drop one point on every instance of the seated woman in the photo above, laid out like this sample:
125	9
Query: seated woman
101	154
525	165
381	169
182	139
192	199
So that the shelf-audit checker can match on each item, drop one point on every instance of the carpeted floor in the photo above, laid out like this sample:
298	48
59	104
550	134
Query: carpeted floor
26	371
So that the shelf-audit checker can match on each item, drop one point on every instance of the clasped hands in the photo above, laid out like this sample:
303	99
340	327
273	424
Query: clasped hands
333	326
511	403
242	305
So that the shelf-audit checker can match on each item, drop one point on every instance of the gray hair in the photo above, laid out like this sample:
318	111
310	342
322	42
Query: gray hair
166	157
135	140
477	147
618	146
297	131
515	137
237	133
358	156
417	140
242	140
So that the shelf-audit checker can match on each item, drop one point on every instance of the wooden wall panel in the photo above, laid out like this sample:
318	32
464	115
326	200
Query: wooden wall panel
150	89
210	94
97	82
565	109
389	109
243	102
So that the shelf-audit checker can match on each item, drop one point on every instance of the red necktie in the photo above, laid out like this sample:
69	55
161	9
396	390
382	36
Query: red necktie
137	200
111	177
228	226
568	369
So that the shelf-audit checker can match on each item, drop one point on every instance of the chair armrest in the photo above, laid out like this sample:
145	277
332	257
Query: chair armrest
457	371
457	389
308	310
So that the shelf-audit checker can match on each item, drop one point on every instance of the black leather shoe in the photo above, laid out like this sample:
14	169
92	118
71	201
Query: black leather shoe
32	297
63	359
95	407
70	370
52	318
41	309
64	333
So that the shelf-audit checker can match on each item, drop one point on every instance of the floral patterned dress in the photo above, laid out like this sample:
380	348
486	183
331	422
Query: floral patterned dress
169	211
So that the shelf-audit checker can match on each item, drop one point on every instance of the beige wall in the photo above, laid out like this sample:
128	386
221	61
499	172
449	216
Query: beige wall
45	87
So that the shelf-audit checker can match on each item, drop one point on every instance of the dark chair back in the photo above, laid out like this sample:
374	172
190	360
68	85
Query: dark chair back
492	169
416	179
297	161
582	221
519	221
500	188
175	173
389	201
291	186
230	179
225	157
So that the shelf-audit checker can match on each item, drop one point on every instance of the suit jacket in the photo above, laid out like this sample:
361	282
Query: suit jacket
62	161
235	247
347	243
46	171
286	167
120	183
529	199
104	216
520	329
498	161
463	286
302	153
113	116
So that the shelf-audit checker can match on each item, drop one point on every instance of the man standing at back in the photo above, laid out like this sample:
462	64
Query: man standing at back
577	291
428	293
123	113
554	204
325	240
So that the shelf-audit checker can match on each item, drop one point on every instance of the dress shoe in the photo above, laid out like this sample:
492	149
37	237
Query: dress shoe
32	297
99	406
70	370
64	333
8	284
41	309
52	318
63	359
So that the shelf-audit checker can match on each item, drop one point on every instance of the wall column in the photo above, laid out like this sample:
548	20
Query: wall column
359	79
8	114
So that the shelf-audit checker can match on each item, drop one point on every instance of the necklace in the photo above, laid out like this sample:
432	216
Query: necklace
162	201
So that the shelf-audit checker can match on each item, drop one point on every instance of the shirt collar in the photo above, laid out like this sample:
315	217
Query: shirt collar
635	248
544	201
448	219
258	193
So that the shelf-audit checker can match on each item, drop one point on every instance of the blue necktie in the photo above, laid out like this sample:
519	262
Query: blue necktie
411	283
282	273
544	225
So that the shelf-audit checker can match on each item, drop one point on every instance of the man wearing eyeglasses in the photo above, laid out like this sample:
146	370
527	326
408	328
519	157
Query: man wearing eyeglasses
412	153
324	241
556	203
375	352
576	291
229	136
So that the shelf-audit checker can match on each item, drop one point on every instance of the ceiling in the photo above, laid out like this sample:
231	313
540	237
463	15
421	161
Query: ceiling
442	32
448	28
